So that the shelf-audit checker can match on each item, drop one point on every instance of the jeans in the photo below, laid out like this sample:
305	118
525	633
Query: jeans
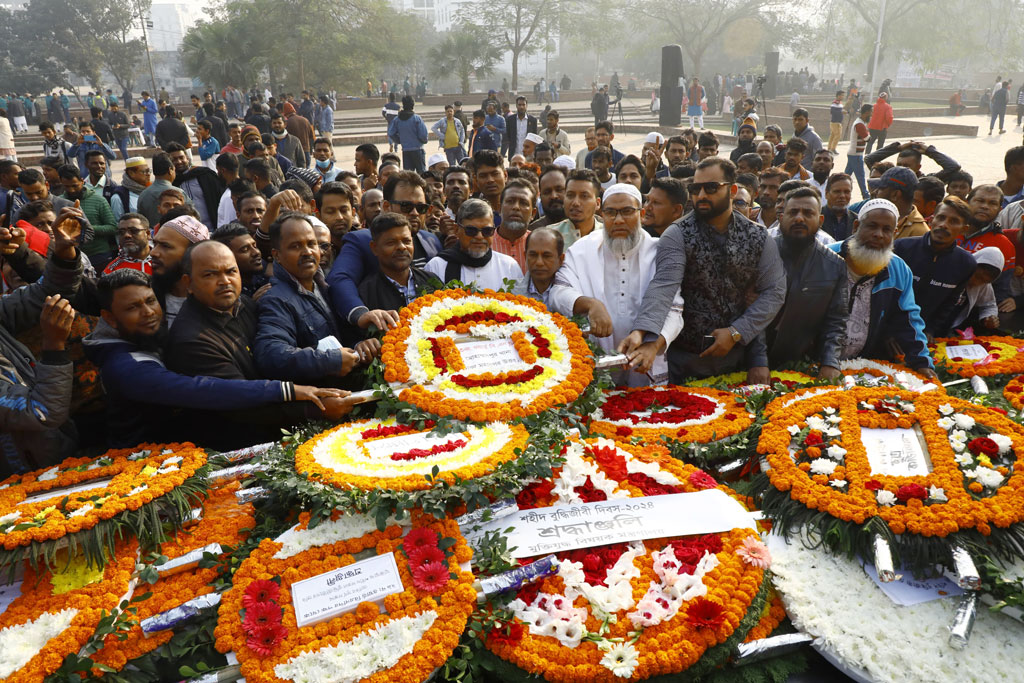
1001	113
122	144
414	160
873	135
855	167
455	155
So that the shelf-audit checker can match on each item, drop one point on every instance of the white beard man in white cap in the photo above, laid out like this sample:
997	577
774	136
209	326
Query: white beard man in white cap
614	264
885	320
530	144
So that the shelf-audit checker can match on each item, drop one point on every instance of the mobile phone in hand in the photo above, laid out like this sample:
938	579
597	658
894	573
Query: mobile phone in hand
707	342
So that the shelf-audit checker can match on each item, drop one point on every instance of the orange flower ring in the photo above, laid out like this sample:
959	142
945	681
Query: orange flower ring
381	454
1013	392
692	414
224	521
303	553
536	359
1004	356
557	618
817	456
126	479
62	623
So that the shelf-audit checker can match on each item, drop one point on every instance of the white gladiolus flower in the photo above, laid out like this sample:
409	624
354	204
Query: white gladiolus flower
946	409
793	429
837	452
935	493
946	423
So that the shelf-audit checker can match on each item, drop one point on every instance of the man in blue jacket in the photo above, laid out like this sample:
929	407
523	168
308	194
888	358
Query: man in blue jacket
408	130
144	397
298	336
884	319
941	268
404	193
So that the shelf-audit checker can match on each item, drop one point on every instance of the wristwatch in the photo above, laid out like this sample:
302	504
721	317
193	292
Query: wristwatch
736	336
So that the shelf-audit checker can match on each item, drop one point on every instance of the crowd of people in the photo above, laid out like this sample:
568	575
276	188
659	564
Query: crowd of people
239	281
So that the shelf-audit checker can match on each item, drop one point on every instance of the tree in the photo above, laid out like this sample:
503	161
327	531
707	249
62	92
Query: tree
213	52
514	24
697	25
465	51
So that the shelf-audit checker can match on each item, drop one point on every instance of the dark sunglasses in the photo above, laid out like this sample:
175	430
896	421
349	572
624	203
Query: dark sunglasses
711	187
409	207
473	232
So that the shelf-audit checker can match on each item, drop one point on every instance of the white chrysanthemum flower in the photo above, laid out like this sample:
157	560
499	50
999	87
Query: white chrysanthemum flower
989	478
946	423
885	497
964	421
816	422
833	431
1005	443
936	493
823	466
946	409
621	660
837	452
838	483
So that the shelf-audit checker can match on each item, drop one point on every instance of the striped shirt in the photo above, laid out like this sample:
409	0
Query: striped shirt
124	262
516	250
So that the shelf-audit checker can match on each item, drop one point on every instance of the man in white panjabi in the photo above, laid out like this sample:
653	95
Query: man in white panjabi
472	260
614	264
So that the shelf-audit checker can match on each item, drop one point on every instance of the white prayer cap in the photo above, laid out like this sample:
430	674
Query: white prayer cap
534	138
316	222
565	161
436	159
990	256
623	188
654	138
875	204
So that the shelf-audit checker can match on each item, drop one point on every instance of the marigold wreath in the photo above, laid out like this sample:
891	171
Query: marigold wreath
1003	356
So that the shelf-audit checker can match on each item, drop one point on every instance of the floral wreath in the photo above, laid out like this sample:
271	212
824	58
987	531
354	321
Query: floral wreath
867	372
819	464
126	483
632	610
1003	357
257	621
57	613
546	360
382	454
224	521
691	414
1013	392
782	380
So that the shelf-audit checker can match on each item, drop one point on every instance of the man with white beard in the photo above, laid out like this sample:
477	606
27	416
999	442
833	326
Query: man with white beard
884	321
614	264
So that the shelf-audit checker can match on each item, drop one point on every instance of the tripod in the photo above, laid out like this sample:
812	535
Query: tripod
618	106
759	99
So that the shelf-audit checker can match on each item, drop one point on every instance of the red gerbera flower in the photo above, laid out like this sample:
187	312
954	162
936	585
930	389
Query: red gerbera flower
703	480
263	640
260	590
426	555
261	614
432	577
418	539
704	613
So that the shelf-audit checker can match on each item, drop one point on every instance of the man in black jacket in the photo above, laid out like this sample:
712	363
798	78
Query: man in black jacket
812	322
397	281
170	130
941	268
520	122
201	185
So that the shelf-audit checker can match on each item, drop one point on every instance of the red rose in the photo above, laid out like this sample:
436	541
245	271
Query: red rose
908	491
623	431
711	543
873	485
813	439
592	562
687	554
983	446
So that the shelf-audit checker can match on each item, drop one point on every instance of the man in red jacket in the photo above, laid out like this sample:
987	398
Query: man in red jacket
881	119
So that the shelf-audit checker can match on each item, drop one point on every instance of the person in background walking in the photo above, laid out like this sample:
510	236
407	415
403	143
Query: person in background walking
390	112
881	119
149	117
409	130
835	125
1000	98
1020	104
696	96
855	154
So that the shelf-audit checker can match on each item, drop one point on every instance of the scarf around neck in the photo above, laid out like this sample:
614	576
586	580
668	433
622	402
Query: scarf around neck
132	185
463	259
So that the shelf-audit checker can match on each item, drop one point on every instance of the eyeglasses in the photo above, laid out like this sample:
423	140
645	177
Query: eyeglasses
711	187
409	207
739	202
473	232
627	213
124	232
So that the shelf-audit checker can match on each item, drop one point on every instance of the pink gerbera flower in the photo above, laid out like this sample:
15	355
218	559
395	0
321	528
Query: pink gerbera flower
754	552
418	539
260	590
431	578
261	614
425	555
263	640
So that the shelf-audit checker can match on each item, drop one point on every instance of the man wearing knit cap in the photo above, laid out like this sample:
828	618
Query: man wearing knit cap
605	275
978	306
137	177
885	320
169	245
745	137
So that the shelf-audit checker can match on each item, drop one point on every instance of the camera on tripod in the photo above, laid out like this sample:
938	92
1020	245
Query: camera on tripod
761	80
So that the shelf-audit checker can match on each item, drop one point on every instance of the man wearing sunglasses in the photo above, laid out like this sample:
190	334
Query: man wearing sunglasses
605	275
472	260
405	194
717	257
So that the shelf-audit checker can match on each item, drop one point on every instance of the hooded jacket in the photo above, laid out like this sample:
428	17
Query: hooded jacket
894	313
940	277
209	182
408	130
140	390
